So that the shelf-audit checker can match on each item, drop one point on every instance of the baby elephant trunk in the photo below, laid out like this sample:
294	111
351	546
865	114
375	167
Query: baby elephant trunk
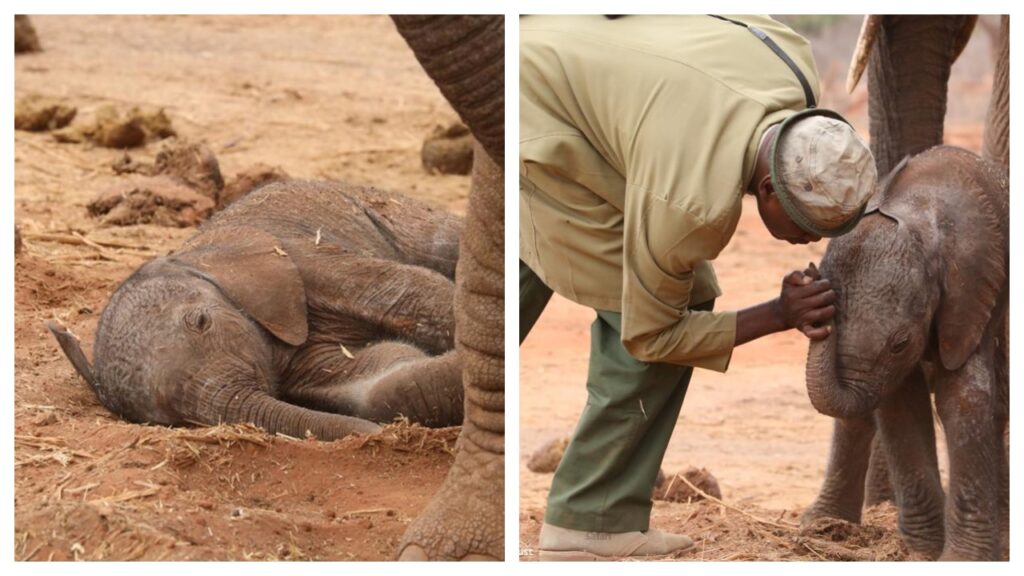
249	404
830	392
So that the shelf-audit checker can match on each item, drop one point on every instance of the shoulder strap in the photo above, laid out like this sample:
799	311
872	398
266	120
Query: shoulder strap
763	37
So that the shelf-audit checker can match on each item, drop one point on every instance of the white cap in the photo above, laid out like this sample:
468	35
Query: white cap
822	171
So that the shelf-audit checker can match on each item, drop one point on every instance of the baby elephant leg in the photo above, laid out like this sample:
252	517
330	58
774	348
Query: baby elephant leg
907	427
965	403
421	235
842	492
409	303
379	383
878	484
427	390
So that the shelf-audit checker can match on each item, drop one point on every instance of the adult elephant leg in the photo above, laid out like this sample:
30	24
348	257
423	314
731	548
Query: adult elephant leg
465	519
878	485
996	146
842	493
465	55
965	404
905	424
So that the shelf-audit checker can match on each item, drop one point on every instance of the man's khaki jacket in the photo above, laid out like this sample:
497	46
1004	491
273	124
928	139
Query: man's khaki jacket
637	138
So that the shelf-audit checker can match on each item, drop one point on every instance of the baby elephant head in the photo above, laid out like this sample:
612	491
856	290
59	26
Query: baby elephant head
191	338
918	279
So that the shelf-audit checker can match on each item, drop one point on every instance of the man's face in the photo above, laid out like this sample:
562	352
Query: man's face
777	221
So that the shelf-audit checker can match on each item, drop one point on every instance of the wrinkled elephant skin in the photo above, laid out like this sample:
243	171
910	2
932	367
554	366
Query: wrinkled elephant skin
923	287
304	308
464	55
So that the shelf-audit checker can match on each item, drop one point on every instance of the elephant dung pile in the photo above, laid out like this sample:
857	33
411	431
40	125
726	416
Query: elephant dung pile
36	113
248	180
181	187
842	540
448	150
108	128
684	486
546	458
191	164
151	200
113	128
25	37
677	488
724	532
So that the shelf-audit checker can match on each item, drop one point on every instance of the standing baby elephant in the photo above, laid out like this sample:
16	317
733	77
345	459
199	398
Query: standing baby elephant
304	307
923	299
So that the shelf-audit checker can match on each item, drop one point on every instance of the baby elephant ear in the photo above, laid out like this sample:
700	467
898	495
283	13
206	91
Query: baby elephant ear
975	262
882	189
251	267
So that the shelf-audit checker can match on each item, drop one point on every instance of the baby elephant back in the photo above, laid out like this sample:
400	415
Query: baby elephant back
333	217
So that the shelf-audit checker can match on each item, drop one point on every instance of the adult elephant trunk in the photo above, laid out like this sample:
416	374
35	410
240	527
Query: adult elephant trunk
231	404
465	521
833	390
908	59
997	124
465	56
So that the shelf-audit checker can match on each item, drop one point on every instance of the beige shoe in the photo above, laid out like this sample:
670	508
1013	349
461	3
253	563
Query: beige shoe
562	544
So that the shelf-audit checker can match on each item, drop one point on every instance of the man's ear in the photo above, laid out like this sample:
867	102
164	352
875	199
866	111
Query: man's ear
765	190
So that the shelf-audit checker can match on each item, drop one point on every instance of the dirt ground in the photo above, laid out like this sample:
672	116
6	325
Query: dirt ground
319	97
753	427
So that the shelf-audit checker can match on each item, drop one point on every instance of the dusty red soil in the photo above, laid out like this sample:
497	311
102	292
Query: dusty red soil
318	97
753	427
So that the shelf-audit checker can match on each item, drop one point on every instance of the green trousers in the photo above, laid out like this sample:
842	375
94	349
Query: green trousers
605	480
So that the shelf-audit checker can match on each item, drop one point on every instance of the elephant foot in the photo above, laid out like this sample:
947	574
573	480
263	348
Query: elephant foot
923	555
821	509
973	552
465	520
962	557
918	550
927	543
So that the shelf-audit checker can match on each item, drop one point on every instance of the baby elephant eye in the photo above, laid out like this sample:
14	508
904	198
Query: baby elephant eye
900	344
198	320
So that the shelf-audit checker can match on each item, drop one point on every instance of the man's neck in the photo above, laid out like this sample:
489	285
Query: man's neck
763	162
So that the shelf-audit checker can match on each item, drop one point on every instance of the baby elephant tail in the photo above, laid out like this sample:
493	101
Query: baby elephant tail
73	350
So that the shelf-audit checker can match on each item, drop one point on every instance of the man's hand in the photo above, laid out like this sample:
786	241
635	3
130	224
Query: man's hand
806	304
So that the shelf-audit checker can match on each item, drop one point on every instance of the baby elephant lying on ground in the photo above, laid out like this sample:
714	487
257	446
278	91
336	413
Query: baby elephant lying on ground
306	306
